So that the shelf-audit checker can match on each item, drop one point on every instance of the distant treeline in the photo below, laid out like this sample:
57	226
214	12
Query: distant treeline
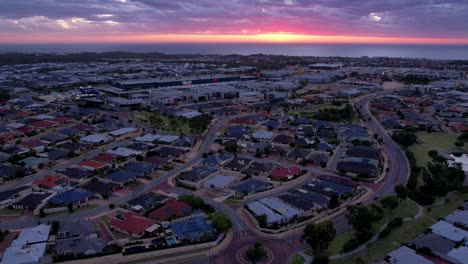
28	58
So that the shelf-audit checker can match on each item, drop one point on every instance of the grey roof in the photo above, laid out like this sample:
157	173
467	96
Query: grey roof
458	217
80	228
81	246
433	242
449	231
405	255
219	181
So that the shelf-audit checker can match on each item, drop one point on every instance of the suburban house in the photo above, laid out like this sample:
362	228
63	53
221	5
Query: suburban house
170	210
133	224
76	197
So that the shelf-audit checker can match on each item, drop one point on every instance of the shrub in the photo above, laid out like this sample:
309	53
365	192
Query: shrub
385	232
351	245
321	259
395	222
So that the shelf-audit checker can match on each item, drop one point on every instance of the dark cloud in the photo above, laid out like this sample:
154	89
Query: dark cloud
403	18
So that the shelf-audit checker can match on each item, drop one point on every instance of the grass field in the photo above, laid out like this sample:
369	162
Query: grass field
164	123
9	212
430	141
297	259
310	112
406	232
406	209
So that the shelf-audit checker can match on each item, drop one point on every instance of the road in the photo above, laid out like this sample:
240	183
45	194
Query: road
398	174
399	164
204	147
280	249
61	166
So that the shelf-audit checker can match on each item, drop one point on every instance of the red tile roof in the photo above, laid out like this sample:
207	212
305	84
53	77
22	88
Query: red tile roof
171	209
388	113
48	181
60	119
283	172
460	127
33	143
10	135
43	124
25	129
106	158
132	222
92	164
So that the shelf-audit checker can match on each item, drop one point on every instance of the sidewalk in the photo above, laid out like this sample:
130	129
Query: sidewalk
192	252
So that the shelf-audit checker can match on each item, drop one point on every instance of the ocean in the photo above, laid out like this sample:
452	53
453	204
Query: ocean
450	52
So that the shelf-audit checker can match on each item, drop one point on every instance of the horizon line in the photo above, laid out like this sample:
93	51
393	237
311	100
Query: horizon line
269	38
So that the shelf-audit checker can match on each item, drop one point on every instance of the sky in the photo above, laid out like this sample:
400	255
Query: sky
189	21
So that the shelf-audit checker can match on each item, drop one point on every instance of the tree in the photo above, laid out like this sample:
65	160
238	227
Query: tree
42	214
362	217
220	221
401	191
257	252
433	153
390	202
195	202
459	144
334	202
70	208
405	139
319	236
231	147
262	220
55	227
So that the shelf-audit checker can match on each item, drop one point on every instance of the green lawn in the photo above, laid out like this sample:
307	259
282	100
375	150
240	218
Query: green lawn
430	141
406	232
297	259
437	140
174	125
133	185
310	112
406	209
9	212
229	201
336	245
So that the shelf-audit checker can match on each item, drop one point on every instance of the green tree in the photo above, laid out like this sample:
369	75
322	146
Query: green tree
262	220
220	221
42	214
257	252
405	139
401	191
334	202
319	236
70	207
195	202
362	217
55	227
390	202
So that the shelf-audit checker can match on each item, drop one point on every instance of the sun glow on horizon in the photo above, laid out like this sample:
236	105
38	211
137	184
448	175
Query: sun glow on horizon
271	37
